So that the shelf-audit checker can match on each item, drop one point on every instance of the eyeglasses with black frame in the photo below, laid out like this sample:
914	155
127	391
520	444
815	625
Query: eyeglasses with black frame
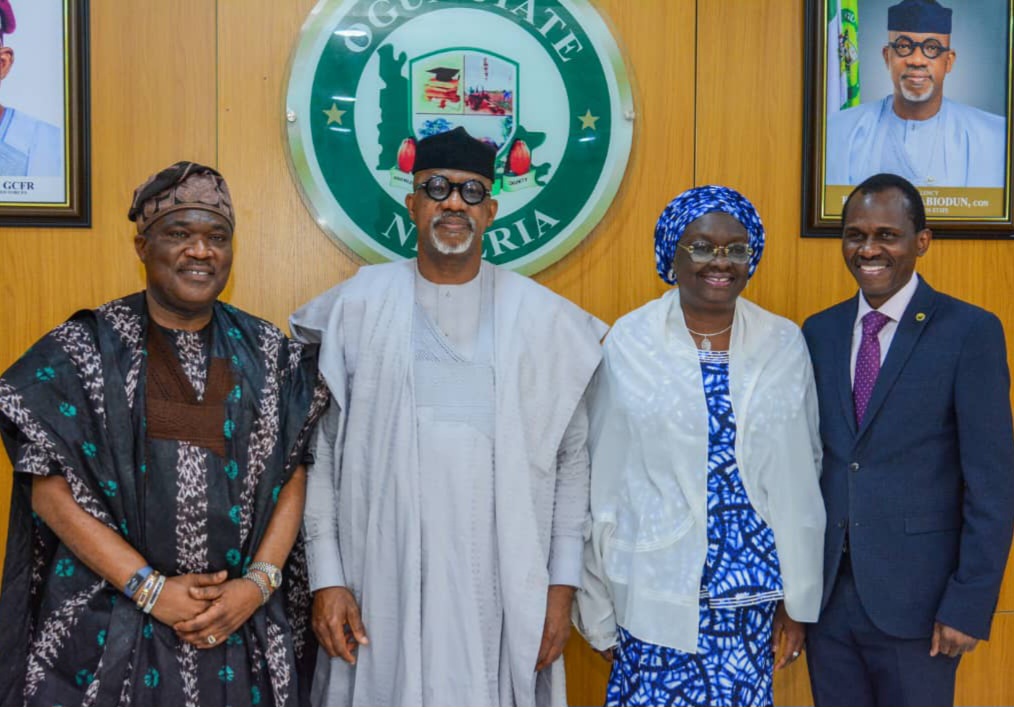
703	252
930	48
472	191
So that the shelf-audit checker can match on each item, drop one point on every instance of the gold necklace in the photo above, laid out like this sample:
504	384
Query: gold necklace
705	344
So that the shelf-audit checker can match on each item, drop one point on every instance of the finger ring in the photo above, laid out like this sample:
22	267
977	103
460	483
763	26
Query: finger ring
211	640
795	654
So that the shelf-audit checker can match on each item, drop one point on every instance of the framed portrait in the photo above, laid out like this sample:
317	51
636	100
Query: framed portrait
919	88
44	123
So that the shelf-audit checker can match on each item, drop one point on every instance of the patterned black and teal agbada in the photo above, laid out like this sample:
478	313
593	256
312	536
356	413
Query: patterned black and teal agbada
74	405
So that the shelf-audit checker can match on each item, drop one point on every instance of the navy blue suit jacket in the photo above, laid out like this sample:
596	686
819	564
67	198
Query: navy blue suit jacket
925	485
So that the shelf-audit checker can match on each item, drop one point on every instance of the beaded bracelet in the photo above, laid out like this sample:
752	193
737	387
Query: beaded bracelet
155	592
135	582
144	593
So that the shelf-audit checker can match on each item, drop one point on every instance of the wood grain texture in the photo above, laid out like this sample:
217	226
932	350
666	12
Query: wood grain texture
613	271
282	258
587	673
748	136
718	94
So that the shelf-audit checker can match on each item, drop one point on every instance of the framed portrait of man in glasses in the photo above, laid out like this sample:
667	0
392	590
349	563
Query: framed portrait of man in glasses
918	88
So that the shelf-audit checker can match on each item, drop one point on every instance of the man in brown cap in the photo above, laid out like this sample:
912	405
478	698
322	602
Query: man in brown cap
29	147
157	444
446	508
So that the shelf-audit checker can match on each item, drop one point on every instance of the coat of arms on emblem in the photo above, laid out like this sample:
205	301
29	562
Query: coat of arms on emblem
473	89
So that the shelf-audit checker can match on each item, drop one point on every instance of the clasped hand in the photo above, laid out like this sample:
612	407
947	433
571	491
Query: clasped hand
205	609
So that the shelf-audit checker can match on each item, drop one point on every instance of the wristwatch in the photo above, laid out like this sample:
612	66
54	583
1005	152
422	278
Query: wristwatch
273	574
261	585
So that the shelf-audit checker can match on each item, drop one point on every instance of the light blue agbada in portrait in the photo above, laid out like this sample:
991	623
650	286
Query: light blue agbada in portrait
29	147
960	146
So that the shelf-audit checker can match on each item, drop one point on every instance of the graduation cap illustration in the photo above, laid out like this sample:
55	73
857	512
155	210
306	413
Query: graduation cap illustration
441	87
444	73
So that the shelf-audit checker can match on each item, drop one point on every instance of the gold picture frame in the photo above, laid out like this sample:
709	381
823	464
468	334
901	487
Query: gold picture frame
961	159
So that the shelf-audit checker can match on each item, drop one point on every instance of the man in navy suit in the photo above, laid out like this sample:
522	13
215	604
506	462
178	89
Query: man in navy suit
918	477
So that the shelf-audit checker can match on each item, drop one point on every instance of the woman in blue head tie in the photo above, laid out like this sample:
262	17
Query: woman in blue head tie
706	544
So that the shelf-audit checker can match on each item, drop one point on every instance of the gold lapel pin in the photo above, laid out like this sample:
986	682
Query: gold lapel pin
920	316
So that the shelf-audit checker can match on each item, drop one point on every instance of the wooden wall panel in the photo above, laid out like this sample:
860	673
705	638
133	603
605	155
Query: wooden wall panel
587	673
747	135
282	258
718	94
613	271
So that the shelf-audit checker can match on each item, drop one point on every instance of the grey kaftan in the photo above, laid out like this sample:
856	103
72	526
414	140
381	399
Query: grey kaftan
455	411
450	484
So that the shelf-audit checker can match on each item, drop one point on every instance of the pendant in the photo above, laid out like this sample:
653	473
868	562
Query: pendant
705	344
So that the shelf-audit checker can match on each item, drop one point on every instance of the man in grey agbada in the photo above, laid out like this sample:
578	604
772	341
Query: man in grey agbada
450	492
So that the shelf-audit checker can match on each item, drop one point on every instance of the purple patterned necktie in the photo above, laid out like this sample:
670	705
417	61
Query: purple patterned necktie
867	361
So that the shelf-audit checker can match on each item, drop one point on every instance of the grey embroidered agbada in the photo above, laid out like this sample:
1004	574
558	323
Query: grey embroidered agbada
452	487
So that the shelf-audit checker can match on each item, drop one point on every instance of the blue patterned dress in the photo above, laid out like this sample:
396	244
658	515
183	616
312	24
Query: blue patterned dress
740	588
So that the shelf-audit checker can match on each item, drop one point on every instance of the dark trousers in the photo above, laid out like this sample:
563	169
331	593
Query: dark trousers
852	662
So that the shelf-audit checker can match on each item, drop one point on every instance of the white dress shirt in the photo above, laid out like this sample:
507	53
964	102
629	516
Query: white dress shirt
894	308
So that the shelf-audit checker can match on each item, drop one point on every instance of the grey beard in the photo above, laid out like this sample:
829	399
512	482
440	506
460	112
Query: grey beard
919	97
447	249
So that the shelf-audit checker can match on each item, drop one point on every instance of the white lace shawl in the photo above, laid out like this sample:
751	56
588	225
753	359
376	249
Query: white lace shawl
647	545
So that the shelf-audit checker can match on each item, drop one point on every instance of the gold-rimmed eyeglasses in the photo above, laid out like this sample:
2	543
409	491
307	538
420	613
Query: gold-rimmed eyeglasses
703	252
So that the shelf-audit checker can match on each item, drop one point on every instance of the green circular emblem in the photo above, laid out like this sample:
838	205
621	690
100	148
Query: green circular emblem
541	80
